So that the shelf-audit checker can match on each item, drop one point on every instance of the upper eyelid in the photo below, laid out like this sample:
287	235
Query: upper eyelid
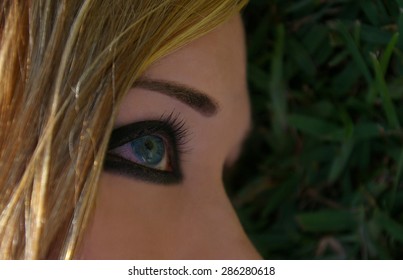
171	125
127	133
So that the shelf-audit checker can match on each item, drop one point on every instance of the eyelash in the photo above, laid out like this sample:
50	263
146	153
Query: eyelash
170	128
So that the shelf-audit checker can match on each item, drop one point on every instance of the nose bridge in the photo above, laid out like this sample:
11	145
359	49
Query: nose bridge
221	229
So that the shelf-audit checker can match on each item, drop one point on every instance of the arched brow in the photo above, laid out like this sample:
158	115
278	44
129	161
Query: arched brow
194	98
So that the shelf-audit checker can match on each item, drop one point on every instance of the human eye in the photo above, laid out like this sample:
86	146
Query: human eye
148	150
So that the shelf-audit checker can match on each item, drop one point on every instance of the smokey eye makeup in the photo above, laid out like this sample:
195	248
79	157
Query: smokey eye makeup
148	150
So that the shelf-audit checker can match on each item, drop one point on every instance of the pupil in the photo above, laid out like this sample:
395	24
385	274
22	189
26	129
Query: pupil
149	145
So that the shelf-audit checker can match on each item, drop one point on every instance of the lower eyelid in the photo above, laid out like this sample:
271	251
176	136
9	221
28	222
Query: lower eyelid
120	166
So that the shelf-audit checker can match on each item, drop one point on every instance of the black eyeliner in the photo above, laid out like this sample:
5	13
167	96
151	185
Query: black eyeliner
169	128
121	166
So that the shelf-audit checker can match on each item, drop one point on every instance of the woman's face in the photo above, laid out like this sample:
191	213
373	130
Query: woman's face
161	195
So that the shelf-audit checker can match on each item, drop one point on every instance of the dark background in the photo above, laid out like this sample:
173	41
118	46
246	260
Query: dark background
321	176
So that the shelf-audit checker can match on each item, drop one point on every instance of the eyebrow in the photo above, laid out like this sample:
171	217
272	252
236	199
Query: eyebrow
194	98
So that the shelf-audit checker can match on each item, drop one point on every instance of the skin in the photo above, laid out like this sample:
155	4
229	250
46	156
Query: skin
193	219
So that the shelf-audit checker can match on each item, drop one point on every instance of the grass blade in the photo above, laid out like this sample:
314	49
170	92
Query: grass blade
355	52
385	59
340	161
326	220
383	90
393	228
277	90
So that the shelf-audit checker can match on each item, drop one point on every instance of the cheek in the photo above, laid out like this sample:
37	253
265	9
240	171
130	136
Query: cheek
134	220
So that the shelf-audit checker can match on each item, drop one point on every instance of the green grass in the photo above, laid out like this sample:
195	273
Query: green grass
321	177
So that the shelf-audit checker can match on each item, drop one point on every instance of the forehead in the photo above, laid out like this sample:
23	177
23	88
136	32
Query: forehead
214	63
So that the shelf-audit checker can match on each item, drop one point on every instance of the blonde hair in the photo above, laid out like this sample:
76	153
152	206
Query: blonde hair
65	66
